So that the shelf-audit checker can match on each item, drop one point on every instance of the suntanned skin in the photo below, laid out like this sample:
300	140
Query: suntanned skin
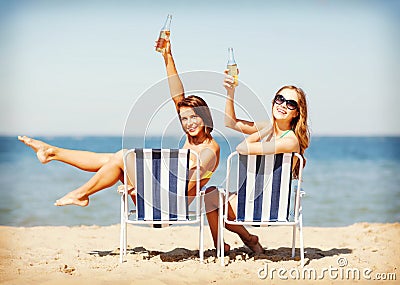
109	166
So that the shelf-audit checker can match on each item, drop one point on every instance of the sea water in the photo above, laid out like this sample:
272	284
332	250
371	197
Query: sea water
346	180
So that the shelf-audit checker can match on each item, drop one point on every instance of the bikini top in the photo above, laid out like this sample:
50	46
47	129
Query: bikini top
284	134
269	137
206	175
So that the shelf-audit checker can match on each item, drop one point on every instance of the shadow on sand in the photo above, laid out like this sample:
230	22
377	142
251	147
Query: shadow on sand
241	253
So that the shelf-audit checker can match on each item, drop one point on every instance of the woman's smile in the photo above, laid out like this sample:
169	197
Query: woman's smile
191	122
192	129
281	110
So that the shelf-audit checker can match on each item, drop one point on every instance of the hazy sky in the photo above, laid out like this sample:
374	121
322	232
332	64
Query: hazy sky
78	67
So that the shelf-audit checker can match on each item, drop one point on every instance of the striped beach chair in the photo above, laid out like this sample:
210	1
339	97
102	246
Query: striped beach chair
160	178
264	193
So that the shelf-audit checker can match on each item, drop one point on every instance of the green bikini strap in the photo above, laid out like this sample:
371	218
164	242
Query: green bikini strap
284	134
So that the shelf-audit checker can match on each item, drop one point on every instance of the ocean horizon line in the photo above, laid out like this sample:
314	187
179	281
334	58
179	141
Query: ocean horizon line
83	225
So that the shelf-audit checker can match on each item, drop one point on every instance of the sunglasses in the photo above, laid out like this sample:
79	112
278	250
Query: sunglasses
290	104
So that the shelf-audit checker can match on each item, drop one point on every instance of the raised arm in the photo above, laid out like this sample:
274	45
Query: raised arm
174	82
231	121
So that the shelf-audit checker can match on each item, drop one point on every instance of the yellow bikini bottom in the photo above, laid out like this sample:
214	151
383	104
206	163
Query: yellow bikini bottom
207	175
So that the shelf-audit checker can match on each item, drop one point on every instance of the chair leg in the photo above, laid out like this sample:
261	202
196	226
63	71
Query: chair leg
221	229
219	235
294	242
201	237
201	243
221	249
125	238
125	226
122	232
301	241
121	244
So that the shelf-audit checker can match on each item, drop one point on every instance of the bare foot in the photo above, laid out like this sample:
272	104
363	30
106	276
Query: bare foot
227	248
131	189
73	199
44	152
131	192
253	244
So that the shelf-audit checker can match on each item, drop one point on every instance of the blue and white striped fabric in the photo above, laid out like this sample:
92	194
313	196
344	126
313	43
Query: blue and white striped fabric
264	187
162	177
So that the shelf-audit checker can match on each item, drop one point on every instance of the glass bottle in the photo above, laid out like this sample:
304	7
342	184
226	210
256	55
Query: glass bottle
232	66
164	33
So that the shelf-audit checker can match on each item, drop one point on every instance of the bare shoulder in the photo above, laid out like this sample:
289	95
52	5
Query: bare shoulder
210	155
210	147
289	143
215	146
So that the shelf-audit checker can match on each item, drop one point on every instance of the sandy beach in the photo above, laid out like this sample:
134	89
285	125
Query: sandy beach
89	255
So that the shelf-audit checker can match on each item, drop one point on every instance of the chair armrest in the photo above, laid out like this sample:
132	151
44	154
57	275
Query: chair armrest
222	190
203	191
120	189
302	192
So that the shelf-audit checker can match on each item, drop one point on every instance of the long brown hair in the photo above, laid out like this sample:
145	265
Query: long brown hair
299	124
201	109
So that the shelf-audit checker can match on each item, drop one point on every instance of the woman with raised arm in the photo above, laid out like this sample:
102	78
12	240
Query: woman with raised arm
287	131
196	122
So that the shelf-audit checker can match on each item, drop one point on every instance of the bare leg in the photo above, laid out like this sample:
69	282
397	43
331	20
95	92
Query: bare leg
212	217
211	201
85	160
107	176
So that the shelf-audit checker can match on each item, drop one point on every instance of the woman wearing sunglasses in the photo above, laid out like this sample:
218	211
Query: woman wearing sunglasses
286	132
